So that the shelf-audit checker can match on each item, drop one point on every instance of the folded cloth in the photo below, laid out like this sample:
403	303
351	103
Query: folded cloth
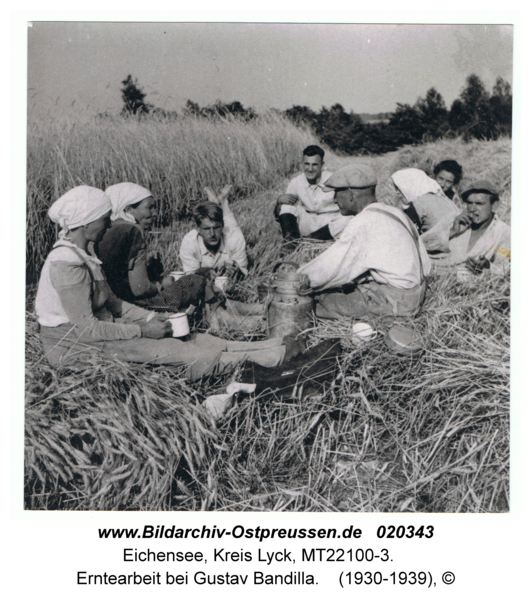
218	405
188	290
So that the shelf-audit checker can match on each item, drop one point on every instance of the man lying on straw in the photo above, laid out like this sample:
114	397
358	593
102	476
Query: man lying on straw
377	266
217	242
476	237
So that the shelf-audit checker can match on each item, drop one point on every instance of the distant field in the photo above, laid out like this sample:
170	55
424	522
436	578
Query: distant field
429	434
175	159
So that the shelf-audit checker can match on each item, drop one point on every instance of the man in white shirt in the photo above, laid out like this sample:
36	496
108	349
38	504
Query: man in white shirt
217	243
378	265
476	238
307	208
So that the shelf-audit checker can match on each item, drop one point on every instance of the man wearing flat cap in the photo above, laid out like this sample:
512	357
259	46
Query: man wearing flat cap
378	265
476	237
307	208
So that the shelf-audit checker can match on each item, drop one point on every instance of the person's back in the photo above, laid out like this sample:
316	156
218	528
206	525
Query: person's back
432	208
422	198
122	245
378	241
378	264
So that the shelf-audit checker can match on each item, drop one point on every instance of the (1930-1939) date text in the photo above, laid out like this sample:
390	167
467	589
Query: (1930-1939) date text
377	578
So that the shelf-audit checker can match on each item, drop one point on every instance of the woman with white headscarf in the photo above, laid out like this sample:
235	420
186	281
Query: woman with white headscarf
423	199
79	315
123	253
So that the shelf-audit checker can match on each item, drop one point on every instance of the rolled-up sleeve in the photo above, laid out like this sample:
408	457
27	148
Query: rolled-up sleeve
73	284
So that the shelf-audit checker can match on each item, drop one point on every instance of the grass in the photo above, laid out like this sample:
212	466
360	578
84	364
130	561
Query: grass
174	159
426	434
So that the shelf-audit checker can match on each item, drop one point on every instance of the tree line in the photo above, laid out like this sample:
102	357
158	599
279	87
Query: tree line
475	114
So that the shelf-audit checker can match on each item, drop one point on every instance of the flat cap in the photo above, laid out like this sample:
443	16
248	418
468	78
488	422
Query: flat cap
478	187
352	176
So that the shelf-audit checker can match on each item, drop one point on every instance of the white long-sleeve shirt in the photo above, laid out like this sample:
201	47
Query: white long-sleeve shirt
372	243
494	245
313	196
194	254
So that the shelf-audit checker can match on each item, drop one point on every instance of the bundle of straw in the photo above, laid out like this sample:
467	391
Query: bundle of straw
111	436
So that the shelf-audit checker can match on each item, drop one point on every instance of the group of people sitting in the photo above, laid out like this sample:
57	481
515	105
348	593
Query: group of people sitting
454	229
100	291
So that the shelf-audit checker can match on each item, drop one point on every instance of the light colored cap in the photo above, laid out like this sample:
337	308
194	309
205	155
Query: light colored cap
352	176
481	186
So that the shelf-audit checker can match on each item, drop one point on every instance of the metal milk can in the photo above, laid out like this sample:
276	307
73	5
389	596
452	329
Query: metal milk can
288	312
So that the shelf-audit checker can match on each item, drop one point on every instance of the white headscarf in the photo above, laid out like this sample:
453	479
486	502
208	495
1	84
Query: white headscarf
123	195
414	183
79	206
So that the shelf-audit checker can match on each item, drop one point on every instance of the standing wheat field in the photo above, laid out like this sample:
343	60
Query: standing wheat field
392	433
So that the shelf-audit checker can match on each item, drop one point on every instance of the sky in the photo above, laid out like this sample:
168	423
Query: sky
79	66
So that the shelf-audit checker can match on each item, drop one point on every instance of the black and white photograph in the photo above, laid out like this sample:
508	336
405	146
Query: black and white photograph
268	267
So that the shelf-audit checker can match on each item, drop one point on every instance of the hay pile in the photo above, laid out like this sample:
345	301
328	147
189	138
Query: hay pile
110	436
480	160
393	433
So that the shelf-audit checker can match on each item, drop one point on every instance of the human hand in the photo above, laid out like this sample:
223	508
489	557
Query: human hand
461	223
304	287
222	198
477	265
230	268
162	316
211	195
167	281
157	328
287	199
